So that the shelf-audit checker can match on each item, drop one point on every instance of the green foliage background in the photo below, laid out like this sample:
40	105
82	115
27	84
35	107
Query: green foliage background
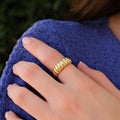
18	15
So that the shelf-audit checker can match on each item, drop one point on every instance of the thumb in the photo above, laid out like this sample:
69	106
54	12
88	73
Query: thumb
99	78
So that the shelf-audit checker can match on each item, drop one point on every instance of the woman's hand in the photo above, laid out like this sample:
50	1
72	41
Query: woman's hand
83	94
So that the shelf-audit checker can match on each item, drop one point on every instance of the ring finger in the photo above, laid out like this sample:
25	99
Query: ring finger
50	57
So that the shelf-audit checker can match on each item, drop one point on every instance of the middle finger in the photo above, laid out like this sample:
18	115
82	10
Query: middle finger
37	78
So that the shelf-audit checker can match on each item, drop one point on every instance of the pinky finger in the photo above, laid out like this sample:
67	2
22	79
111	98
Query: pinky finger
11	116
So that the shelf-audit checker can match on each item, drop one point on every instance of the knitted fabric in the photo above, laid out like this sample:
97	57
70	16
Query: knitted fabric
89	41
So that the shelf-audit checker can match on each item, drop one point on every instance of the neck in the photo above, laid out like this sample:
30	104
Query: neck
114	24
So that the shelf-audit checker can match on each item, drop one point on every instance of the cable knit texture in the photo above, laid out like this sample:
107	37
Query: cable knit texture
89	41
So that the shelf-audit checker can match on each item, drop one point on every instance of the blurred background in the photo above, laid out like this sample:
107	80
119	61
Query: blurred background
16	16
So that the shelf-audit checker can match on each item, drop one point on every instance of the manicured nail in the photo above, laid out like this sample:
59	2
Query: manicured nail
17	65
9	86
7	115
82	64
27	40
14	67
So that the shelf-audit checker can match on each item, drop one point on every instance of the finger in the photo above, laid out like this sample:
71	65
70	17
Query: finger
99	78
37	78
50	57
11	116
28	101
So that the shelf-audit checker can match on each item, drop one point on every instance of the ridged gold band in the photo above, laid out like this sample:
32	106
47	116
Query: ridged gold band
61	65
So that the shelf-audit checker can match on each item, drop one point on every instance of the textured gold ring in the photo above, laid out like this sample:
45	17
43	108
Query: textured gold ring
61	65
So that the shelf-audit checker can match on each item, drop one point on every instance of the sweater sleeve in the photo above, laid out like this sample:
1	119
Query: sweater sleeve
44	30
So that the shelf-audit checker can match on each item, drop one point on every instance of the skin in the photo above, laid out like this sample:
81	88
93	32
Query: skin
83	94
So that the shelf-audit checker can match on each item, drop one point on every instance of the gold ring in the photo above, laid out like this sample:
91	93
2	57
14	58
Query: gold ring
61	65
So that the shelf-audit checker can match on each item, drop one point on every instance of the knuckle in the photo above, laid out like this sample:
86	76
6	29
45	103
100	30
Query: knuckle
63	101
69	103
19	98
100	73
51	55
86	87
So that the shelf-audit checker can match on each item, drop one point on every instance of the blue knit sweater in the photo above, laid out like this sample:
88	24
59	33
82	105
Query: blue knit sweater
89	41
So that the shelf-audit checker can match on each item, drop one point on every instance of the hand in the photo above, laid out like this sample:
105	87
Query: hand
83	94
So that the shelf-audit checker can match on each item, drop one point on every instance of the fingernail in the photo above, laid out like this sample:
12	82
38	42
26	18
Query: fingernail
14	68
9	86
7	115
81	64
26	40
12	85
